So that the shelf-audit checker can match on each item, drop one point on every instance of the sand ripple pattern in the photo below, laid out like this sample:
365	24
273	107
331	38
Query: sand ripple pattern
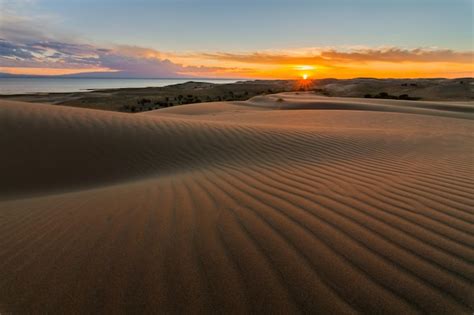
108	213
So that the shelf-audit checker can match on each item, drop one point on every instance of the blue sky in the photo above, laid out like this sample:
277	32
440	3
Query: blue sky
177	29
265	24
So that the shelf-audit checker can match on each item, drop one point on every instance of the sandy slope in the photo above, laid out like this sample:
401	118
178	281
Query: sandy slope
238	208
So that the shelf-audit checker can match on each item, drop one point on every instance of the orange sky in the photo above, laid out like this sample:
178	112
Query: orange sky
348	70
290	64
375	69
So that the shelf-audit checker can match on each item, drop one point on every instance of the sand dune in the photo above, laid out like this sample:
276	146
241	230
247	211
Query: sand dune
334	206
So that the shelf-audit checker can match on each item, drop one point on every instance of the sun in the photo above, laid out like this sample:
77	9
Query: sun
304	71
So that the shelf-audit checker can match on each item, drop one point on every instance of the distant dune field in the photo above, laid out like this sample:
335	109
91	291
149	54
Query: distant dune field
285	203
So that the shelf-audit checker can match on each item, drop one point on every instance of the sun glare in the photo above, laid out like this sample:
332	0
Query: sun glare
303	84
304	67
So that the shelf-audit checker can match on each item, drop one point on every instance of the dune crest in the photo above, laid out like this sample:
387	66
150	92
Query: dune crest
347	206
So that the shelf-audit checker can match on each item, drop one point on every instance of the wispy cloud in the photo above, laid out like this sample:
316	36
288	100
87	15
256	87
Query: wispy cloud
324	56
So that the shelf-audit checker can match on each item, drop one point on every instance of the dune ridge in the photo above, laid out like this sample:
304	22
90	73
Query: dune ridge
238	207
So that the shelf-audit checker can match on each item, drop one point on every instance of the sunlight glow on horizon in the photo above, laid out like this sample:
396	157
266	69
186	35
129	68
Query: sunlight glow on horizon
227	69
277	71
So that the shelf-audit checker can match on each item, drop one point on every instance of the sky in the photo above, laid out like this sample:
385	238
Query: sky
238	38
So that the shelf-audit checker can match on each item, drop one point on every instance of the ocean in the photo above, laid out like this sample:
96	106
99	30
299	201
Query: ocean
58	85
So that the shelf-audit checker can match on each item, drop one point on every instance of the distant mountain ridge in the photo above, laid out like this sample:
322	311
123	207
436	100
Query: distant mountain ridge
104	75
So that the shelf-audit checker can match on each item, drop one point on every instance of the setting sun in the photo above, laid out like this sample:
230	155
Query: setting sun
305	76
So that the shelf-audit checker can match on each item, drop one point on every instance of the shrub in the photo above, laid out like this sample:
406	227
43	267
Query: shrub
143	101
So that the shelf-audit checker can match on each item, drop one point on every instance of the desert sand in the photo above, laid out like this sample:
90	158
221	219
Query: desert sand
284	203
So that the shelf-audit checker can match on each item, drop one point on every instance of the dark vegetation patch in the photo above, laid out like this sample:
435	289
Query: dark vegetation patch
385	95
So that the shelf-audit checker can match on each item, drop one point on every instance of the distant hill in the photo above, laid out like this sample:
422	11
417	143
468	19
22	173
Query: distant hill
460	89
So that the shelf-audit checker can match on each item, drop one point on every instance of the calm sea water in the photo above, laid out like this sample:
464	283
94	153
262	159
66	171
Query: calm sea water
54	85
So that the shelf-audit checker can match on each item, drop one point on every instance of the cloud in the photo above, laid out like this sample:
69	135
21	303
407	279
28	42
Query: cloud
24	29
132	61
331	56
147	62
394	54
12	50
29	43
48	54
26	43
23	45
129	61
